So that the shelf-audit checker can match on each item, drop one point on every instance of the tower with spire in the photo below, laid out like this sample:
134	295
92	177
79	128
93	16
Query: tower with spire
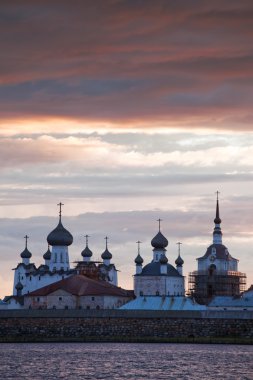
217	273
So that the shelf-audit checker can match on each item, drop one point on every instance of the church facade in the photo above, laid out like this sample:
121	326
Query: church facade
159	277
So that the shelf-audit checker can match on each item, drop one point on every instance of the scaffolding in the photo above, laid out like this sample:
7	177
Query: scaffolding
203	285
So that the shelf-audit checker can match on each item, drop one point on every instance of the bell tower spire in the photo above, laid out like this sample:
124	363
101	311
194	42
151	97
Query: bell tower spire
217	233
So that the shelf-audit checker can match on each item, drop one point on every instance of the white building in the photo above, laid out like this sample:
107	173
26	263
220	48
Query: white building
56	267
158	278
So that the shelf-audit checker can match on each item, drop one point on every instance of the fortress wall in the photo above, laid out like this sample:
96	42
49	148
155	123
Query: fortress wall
117	325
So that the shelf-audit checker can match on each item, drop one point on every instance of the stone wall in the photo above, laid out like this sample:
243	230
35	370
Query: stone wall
118	326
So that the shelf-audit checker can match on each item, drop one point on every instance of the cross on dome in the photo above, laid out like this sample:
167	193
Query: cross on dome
87	239
139	243
106	242
26	238
179	247
159	223
60	211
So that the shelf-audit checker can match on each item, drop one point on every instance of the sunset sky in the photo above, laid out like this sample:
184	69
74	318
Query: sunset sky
126	111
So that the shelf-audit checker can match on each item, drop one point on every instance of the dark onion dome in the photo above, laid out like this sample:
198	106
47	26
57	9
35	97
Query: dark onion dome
221	252
19	286
179	261
106	255
86	252
138	260
47	255
163	259
154	269
159	241
60	236
26	254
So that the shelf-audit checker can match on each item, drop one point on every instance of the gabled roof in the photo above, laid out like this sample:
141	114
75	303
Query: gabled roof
80	285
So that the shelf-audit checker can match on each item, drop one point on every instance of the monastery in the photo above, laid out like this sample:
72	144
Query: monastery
158	285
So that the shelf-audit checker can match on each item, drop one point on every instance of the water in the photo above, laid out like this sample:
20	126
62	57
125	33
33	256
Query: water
117	361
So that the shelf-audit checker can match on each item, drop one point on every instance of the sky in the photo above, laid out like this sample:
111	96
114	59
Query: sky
126	111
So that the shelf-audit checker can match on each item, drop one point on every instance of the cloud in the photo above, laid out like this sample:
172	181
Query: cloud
118	61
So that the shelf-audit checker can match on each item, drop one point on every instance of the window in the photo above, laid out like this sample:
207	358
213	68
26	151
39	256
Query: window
30	278
22	278
88	307
38	299
61	258
60	298
141	293
97	307
55	257
39	278
93	298
157	293
54	307
66	307
79	307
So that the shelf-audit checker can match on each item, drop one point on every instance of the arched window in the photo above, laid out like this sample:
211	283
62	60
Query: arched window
97	307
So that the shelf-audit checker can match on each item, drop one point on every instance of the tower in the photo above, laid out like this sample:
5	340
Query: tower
138	260
217	273
86	253
60	239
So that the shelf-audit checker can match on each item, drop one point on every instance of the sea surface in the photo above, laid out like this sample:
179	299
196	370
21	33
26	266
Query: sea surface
118	361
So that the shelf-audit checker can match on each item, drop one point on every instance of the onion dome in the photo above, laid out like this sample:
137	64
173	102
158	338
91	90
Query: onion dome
47	254
26	254
60	236
179	261
86	252
159	241
138	260
106	255
19	286
163	259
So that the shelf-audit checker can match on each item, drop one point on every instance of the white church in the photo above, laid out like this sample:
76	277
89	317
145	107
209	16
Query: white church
56	267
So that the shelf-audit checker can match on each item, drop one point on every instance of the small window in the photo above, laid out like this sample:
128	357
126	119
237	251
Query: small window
93	298
39	278
38	299
54	307
88	307
157	293
22	278
62	277
60	298
66	307
79	307
30	278
97	307
141	293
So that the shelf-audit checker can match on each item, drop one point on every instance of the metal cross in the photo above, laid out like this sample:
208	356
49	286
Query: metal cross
217	192
106	239
60	205
87	237
139	243
179	247
159	221
26	238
